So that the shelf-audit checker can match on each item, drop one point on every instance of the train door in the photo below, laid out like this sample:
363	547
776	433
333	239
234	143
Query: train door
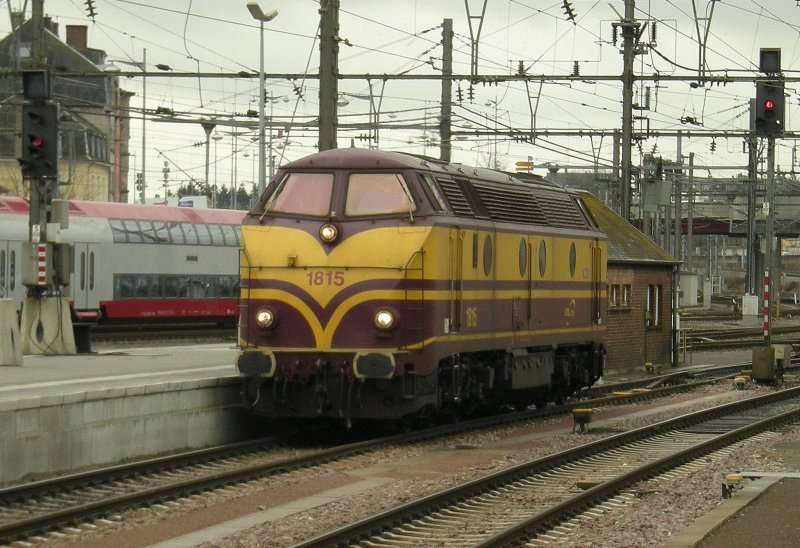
84	292
456	275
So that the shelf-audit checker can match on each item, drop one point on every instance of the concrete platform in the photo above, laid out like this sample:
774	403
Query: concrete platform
60	414
765	513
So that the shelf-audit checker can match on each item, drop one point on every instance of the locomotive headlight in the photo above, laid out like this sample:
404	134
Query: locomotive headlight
265	318
385	319
328	233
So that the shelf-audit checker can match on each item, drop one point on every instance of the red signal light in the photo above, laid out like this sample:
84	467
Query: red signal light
769	105
36	141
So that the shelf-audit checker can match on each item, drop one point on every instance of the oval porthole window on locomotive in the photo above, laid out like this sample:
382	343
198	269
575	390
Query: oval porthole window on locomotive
523	258
572	259
488	252
542	258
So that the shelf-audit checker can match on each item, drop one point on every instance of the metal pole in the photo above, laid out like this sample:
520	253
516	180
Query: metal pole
690	214
628	34
261	99
271	156
208	128
769	285
751	284
328	73
445	145
144	133
678	203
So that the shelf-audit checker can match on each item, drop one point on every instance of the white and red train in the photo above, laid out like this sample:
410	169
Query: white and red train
136	263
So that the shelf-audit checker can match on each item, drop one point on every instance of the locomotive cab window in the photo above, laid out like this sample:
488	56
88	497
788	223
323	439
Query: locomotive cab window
377	194
302	194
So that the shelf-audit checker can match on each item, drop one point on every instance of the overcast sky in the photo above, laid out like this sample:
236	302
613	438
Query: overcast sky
403	36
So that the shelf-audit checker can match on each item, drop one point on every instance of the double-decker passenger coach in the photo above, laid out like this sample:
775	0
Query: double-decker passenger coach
136	263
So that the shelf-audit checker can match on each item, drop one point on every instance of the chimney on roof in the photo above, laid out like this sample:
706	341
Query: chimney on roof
50	25
76	37
17	18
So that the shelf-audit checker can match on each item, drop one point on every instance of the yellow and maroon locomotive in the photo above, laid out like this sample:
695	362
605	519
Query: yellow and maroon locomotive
382	285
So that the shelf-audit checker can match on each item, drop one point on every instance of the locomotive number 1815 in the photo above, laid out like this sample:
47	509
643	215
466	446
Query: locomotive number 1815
325	277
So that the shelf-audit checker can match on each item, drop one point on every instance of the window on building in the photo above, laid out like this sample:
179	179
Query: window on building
653	311
613	296
619	296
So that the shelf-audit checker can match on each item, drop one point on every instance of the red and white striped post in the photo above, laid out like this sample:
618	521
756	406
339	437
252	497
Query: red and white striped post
41	264
766	308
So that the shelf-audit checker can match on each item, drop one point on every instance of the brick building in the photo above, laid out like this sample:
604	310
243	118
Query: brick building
641	284
94	125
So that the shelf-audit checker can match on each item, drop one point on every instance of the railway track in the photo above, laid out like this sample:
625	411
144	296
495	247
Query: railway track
517	505
711	339
57	504
50	505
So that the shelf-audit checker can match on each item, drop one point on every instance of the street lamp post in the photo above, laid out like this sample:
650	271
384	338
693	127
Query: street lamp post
261	17
208	127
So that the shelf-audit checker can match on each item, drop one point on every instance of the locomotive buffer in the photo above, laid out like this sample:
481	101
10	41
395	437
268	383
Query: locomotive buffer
46	326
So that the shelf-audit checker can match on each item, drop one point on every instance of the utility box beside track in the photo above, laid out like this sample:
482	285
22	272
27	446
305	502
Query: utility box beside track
763	363
769	362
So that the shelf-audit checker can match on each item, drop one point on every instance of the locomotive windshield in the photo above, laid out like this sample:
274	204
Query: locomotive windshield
377	194
302	194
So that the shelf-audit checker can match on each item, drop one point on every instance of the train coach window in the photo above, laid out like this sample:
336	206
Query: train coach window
171	286
118	231
231	235
147	231
203	235
146	286
377	194
123	286
216	234
226	286
175	233
133	233
302	194
160	232
189	233
191	287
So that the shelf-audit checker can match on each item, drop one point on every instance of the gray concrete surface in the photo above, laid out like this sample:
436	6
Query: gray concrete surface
61	414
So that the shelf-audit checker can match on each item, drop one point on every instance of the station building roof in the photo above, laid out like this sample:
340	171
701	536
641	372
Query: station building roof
626	243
